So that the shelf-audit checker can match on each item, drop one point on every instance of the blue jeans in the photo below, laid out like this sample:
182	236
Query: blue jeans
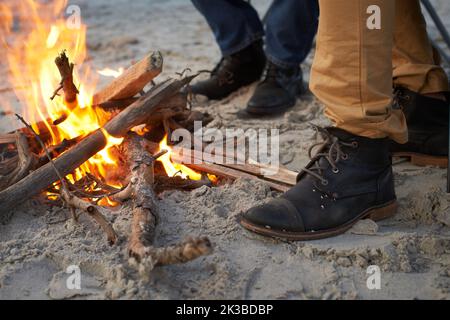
290	27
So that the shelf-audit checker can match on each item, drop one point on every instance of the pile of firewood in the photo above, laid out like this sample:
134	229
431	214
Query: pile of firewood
29	167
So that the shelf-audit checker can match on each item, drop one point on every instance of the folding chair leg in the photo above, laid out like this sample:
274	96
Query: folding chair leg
437	21
448	157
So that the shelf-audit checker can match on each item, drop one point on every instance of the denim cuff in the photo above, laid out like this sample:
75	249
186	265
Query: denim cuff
244	44
281	64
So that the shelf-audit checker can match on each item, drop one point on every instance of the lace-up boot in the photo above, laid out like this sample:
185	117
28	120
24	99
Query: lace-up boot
349	178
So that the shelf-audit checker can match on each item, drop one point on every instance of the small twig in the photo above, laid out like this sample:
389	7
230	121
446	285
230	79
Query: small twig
25	162
102	184
57	90
159	154
61	178
93	211
181	74
6	113
183	252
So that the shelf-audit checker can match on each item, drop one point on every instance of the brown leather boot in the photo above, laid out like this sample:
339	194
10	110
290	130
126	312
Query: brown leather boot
428	120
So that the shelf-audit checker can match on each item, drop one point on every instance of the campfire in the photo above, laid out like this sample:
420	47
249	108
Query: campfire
100	151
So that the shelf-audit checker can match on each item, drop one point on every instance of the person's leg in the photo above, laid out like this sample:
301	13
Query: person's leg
352	70
291	26
414	60
350	177
235	23
420	85
238	32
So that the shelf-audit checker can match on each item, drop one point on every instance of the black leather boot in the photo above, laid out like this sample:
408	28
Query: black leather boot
278	90
427	120
233	72
348	179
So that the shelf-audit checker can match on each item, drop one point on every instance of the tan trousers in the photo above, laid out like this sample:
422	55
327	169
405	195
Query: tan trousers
357	64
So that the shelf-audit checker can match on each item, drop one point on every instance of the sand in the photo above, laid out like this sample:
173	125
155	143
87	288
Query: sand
38	243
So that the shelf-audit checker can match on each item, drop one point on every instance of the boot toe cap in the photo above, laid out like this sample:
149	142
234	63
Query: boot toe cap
279	214
269	102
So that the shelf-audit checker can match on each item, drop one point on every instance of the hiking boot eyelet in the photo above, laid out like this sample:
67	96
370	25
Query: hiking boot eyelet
325	182
355	144
344	156
335	170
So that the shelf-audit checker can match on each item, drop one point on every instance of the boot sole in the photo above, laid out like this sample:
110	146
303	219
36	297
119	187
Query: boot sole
377	213
423	160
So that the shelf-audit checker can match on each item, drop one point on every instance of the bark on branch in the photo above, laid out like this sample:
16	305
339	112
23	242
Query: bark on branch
26	162
146	215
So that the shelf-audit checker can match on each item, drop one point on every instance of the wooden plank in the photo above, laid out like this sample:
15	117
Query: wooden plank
7	138
233	174
132	81
283	174
251	171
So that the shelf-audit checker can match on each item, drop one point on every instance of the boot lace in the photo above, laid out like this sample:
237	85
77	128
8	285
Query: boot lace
270	73
330	149
400	99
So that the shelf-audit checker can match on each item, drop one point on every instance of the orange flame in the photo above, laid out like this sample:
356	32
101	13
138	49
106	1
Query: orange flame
30	52
108	72
172	169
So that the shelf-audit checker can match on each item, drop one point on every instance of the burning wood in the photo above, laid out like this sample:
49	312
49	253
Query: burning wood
96	141
70	90
77	147
73	201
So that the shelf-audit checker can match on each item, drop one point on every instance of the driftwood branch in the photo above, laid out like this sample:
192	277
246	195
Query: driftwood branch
93	211
145	215
144	201
56	150
26	161
186	251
